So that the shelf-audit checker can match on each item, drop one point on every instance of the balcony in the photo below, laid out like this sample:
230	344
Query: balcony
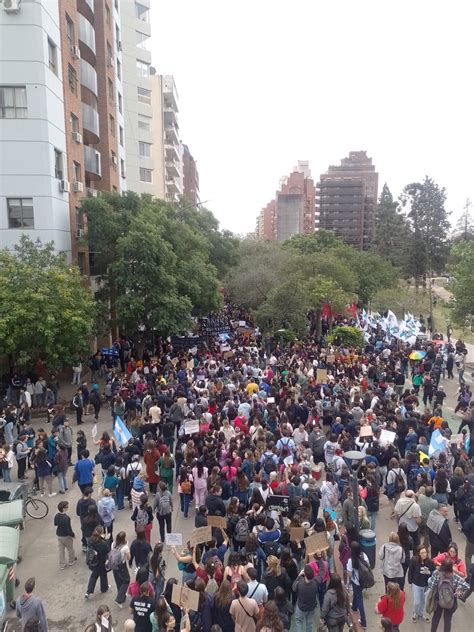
92	192
171	168
171	135
86	8
90	124
173	184
89	77
92	163
172	152
86	34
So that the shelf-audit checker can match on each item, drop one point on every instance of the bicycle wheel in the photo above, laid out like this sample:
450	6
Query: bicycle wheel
36	508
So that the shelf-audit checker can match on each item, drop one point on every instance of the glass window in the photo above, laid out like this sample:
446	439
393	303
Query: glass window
142	40
13	102
122	168
119	70
111	89
113	160
142	12
144	149
144	95
120	103
112	124
72	78
20	213
81	262
121	135
74	123
53	56
76	171
58	164
69	29
144	122
146	175
107	13
117	37
143	68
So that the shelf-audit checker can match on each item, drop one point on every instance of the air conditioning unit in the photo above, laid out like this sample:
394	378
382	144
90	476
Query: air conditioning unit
75	52
110	62
78	187
11	6
80	233
77	137
113	160
64	186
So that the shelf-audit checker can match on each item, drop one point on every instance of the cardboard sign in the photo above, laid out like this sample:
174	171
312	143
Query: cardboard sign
366	431
217	521
198	536
387	437
227	355
277	503
297	534
190	365
321	376
330	359
191	426
185	597
174	539
270	400
316	542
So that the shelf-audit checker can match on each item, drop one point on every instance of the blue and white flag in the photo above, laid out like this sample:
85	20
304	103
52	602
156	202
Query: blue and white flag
121	432
437	443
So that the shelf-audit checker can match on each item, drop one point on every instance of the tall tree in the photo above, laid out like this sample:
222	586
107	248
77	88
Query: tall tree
424	203
45	310
390	229
463	281
465	224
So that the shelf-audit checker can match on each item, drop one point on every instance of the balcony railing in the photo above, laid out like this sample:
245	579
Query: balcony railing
86	32
90	123
89	77
92	163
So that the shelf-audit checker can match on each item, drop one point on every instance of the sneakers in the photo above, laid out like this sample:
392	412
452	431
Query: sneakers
73	562
120	605
51	495
427	619
84	549
414	618
62	568
86	596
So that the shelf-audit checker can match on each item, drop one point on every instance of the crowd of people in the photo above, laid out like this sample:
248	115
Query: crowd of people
256	434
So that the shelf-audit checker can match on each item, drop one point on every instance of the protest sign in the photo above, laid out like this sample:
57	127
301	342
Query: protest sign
217	521
330	359
185	597
321	376
228	354
270	400
94	431
387	437
242	323
297	534
288	460
316	542
456	439
198	536
191	426
366	431
174	539
277	503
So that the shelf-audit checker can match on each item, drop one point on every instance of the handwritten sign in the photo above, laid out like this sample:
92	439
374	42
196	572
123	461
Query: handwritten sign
174	539
184	597
322	376
297	534
366	431
270	400
191	426
217	521
316	542
331	359
198	536
288	460
277	503
387	437
228	354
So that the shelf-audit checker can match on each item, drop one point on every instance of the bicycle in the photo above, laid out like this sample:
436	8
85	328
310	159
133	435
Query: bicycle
35	508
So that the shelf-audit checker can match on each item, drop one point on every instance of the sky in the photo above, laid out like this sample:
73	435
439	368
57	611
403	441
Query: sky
265	83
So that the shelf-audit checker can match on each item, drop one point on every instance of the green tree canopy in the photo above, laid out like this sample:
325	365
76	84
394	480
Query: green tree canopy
391	230
463	281
45	310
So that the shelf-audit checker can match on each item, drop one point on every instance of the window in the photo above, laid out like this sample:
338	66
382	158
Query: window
111	89
143	68
58	164
74	123
72	78
117	37
144	149
81	262
122	168
119	70
53	56
120	102
13	102
144	122
145	175
142	12
142	40
144	95
20	213
112	124
113	160
70	29
121	135
76	171
79	218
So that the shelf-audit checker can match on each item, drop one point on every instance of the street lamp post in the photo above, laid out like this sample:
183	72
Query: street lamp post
354	460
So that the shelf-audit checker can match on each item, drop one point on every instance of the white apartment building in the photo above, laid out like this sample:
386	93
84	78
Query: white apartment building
119	113
32	126
172	145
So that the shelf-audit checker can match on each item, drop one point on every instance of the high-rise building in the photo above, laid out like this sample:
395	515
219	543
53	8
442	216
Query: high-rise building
173	151
292	211
190	177
346	197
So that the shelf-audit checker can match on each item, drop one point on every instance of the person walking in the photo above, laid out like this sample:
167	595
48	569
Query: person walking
44	471
78	405
82	511
30	608
393	557
96	559
21	453
244	610
336	605
392	604
65	535
185	487
419	572
118	559
200	476
306	589
163	507
353	566
447	586
166	465
106	511
142	516
439	532
61	462
66	438
151	457
84	471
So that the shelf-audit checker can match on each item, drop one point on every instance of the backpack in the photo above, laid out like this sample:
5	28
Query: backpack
242	530
445	593
141	520
164	504
92	558
272	548
366	577
114	559
196	622
186	487
269	465
133	473
106	514
399	482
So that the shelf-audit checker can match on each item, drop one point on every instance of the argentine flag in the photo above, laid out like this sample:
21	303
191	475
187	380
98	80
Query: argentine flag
121	432
437	442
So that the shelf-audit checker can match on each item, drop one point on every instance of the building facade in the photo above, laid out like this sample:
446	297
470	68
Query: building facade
190	177
346	197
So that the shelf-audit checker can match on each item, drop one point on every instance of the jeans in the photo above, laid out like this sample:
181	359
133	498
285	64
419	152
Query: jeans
337	627
65	543
122	579
373	519
185	499
62	481
304	619
7	475
468	553
358	603
95	574
49	483
418	600
21	468
164	521
448	615
120	496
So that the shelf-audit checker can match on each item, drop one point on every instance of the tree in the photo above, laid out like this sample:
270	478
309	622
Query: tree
390	230
320	241
424	203
465	224
347	336
463	281
45	310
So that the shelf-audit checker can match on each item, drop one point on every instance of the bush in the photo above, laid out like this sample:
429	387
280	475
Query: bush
347	336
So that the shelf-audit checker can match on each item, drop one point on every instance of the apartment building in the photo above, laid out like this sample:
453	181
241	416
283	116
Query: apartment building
190	177
346	197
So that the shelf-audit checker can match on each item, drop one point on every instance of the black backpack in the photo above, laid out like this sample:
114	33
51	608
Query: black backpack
272	548
92	558
366	577
269	465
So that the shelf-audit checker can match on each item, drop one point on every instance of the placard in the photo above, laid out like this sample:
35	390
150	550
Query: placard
456	439
227	355
184	597
297	534
321	376
277	503
242	323
94	431
387	437
316	542
288	460
366	431
198	536
191	426
330	359
217	521
270	400
174	539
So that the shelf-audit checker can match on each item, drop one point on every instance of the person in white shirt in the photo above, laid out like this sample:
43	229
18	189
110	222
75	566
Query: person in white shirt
155	413
300	435
257	590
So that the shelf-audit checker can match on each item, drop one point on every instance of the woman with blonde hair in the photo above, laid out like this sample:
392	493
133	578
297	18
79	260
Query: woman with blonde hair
275	575
364	522
391	605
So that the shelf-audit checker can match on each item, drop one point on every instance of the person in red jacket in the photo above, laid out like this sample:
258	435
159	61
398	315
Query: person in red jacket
392	605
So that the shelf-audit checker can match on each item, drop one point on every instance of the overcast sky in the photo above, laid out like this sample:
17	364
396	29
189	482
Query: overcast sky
265	83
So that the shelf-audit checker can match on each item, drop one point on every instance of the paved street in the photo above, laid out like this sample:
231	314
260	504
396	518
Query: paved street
63	590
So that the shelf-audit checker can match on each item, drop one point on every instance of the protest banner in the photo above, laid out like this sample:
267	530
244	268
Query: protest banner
174	539
316	542
277	503
191	426
387	437
297	534
217	521
198	536
185	597
456	439
321	376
